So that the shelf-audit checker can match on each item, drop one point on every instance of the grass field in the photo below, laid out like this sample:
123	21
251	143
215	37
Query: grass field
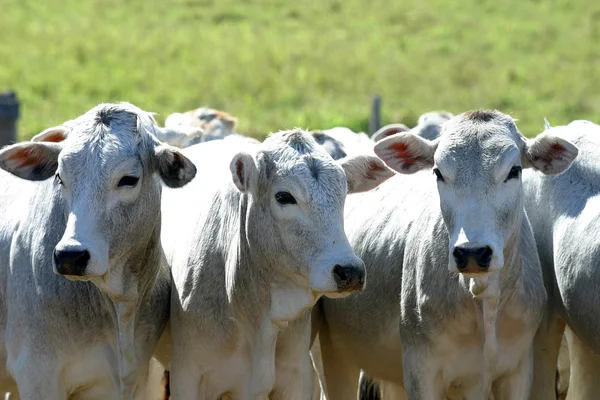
309	63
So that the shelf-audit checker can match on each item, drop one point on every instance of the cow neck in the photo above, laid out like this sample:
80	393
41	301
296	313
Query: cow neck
247	278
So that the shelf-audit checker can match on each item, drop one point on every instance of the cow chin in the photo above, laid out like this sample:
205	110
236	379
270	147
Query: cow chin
336	295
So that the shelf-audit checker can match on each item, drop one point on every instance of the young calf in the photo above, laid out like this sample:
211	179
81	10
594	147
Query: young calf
85	205
253	242
454	276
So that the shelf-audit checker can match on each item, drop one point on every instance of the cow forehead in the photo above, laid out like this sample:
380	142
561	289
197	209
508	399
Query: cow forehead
470	145
295	156
107	135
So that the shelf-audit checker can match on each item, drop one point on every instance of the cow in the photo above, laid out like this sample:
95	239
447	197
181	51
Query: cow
454	276
341	142
565	216
85	287
253	242
214	125
428	126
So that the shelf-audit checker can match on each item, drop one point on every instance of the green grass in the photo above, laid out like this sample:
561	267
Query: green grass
309	63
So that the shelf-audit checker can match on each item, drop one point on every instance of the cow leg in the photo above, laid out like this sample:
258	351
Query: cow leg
392	391
38	379
184	378
517	385
585	369
546	346
341	378
420	380
294	373
563	375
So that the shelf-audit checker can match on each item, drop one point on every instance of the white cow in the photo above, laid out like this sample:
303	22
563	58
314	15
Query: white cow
212	125
84	205
340	142
453	275
253	242
428	126
565	215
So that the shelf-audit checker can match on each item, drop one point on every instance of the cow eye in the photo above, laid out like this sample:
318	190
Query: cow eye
438	175
127	180
58	179
514	173
284	198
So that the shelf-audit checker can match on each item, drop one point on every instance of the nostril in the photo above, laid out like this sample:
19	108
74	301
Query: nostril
82	261
460	256
484	256
339	273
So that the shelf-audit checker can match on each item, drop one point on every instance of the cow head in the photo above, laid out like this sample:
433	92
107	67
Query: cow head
103	167
214	123
477	162
295	216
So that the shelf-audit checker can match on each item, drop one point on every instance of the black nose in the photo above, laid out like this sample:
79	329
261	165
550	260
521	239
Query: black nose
71	262
481	255
349	278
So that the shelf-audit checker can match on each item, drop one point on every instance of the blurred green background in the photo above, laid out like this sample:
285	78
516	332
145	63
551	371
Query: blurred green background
308	63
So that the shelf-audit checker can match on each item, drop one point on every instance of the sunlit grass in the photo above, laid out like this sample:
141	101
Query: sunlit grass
309	63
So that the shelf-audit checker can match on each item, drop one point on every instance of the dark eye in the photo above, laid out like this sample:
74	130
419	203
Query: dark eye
284	198
58	180
128	181
438	175
514	173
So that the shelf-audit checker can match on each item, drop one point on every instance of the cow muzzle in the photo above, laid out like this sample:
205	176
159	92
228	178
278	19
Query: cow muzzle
473	259
71	261
349	278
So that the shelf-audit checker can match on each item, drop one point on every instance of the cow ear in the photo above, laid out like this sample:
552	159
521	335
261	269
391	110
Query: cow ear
31	161
389	130
243	171
406	152
175	169
364	172
55	134
549	153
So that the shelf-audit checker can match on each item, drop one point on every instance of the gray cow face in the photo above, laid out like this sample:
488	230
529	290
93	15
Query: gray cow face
477	164
297	193
103	166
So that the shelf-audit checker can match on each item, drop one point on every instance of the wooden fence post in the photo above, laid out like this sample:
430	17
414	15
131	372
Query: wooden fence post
375	120
9	114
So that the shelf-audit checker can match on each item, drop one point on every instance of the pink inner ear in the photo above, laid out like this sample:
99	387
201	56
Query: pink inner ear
557	148
55	137
239	171
401	151
25	158
374	168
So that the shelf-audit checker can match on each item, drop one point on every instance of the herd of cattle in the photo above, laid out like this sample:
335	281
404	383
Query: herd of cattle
453	260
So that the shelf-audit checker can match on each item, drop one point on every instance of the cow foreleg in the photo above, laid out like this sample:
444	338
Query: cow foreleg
584	382
420	376
546	346
517	385
38	378
341	377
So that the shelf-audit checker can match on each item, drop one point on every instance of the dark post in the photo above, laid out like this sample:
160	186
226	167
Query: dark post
9	114
375	120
